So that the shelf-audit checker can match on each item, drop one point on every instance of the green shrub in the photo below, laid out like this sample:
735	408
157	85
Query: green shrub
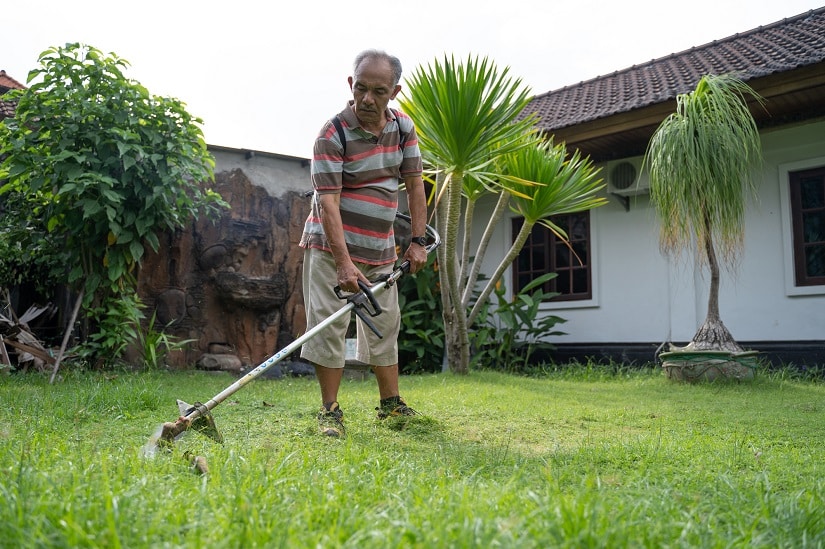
156	344
115	326
421	341
514	331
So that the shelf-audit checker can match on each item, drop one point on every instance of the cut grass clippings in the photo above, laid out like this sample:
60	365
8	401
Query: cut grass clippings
629	460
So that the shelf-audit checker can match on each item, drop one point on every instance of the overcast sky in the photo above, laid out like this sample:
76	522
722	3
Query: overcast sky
265	76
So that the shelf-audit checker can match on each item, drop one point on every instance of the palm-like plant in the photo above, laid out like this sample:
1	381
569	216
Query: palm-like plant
468	120
701	161
460	111
543	183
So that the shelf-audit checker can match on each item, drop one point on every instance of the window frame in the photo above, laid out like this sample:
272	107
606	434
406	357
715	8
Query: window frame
788	241
559	302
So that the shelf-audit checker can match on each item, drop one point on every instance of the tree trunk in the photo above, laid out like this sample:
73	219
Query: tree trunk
713	335
472	279
455	315
67	334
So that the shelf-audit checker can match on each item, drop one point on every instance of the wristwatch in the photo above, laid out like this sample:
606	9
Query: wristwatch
420	240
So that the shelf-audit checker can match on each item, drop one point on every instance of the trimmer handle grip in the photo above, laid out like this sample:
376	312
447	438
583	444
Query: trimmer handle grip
375	308
363	300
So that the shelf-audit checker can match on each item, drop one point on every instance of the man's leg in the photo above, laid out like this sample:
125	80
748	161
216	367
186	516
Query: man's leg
330	417
328	348
330	380
391	402
382	352
387	377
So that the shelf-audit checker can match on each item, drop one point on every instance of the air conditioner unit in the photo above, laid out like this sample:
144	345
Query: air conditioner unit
624	178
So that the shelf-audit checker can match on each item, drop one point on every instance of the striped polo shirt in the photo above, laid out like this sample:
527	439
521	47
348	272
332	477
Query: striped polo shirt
367	178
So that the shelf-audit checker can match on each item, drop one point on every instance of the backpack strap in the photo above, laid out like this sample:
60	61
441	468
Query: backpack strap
402	137
336	121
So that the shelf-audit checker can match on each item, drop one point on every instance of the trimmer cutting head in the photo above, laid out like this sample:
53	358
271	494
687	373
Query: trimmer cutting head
203	423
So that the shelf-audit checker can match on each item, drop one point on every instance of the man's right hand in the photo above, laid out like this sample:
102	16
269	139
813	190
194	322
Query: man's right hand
348	277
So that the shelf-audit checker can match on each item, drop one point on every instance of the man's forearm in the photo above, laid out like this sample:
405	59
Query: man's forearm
417	202
334	228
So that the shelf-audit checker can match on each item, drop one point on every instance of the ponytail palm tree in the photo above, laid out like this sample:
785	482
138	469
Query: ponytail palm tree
468	120
701	161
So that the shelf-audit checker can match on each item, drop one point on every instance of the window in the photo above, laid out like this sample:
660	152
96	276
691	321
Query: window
544	252
807	201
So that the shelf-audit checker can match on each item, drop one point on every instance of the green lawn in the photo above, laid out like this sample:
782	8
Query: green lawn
590	460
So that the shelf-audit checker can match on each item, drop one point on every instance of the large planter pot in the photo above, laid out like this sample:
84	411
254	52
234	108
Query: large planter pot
692	366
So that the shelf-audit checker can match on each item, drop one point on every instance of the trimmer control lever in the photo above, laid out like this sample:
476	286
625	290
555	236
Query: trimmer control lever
363	301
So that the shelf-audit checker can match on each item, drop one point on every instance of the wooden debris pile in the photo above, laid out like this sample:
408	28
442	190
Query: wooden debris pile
20	349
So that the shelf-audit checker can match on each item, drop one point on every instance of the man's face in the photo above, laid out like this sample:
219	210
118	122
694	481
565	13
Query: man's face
372	88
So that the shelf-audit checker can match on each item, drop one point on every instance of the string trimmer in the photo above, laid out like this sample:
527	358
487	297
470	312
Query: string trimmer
198	417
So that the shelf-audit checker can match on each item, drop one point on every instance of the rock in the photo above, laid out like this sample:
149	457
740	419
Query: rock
298	369
220	349
224	363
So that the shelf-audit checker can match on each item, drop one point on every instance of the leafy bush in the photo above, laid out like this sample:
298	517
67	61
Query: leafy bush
115	326
156	344
513	332
507	341
421	341
95	161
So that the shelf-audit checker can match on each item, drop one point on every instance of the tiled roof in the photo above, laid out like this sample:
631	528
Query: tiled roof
6	109
7	83
782	46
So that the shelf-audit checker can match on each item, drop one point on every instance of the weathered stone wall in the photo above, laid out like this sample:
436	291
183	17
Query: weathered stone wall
233	284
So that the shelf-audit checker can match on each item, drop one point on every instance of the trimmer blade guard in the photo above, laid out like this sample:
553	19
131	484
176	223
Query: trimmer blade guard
204	424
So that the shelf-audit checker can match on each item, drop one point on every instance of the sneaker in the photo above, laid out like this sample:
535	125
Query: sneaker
394	406
331	420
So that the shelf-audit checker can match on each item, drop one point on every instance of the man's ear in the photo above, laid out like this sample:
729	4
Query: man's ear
349	80
395	91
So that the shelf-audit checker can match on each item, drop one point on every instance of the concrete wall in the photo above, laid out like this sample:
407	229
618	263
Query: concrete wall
277	174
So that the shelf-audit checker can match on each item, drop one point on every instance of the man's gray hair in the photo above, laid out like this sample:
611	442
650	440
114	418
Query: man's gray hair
379	54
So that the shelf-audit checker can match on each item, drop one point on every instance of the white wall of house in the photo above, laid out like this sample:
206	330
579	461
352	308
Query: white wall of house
641	296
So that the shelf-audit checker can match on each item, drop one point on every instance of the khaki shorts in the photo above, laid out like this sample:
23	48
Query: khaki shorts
328	347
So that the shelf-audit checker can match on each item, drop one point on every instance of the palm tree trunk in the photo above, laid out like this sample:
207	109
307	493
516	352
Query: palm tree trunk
457	342
464	258
498	212
443	277
511	256
713	335
713	265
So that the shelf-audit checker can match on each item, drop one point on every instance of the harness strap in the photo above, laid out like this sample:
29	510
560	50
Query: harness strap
336	121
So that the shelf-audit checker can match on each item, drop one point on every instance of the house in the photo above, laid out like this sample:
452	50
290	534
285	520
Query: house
7	83
625	299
